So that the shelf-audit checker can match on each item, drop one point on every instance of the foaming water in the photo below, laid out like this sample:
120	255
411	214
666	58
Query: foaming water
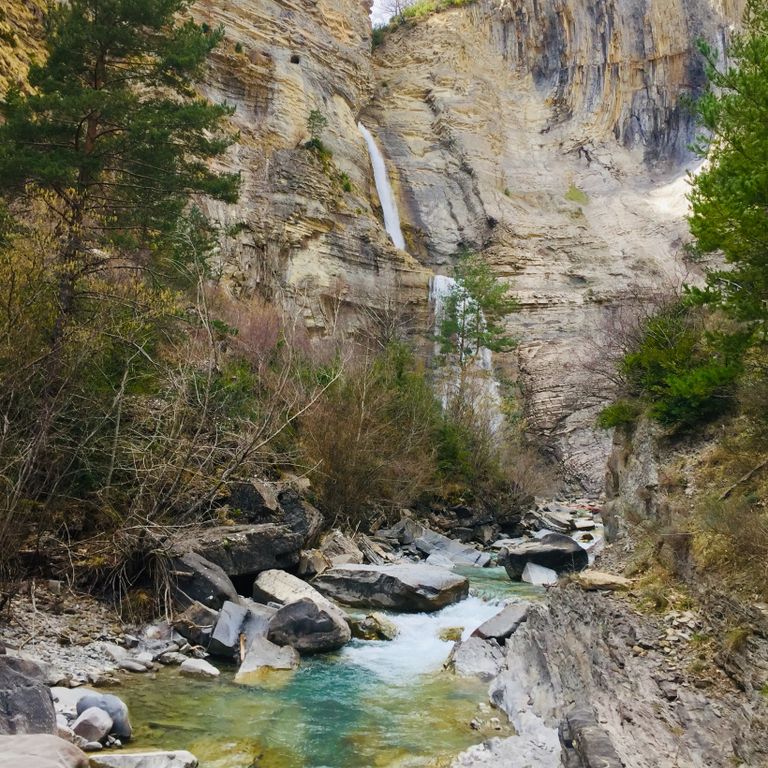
371	704
384	188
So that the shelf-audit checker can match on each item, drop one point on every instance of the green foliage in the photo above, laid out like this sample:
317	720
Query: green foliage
421	8
378	35
474	313
683	374
729	198
576	195
317	122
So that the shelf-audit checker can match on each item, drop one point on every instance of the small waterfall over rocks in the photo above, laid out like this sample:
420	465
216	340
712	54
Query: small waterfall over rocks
384	189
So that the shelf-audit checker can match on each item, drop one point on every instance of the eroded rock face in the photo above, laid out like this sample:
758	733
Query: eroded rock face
26	705
40	751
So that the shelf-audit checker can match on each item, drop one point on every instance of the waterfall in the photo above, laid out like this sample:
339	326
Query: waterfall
487	392
384	189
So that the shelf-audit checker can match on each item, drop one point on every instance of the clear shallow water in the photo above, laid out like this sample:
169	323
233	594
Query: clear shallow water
371	704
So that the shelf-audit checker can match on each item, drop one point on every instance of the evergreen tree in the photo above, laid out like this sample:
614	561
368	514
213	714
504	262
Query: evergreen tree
111	136
474	312
730	196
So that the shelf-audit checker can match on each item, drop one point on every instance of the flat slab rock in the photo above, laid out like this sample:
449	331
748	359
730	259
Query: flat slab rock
504	623
40	751
177	759
476	657
263	657
408	588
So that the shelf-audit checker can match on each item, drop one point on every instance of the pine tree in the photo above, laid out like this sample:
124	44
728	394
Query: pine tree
730	196
111	137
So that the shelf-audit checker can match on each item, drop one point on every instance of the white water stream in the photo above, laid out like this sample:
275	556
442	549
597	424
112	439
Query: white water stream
384	189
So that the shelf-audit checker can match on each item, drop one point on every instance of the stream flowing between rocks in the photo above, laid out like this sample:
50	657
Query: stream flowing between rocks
374	703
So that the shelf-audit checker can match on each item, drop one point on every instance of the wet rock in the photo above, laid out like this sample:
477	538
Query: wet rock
225	640
555	551
245	550
113	706
93	724
197	579
263	656
196	624
40	751
309	627
198	668
176	759
504	623
172	658
375	626
26	704
451	634
476	657
408	588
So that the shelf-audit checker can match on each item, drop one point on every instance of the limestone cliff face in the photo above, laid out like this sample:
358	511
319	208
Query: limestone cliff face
551	135
306	229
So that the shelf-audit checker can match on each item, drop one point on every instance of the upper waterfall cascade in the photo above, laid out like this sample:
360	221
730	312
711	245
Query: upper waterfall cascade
384	189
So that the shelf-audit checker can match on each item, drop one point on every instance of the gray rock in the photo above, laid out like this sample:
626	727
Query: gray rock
309	627
340	549
93	724
312	563
440	561
196	624
177	759
244	550
581	734
429	542
555	551
408	588
504	623
281	587
257	619
172	658
40	751
130	665
113	706
198	668
375	626
299	516
263	656
26	704
225	640
92	746
197	579
476	657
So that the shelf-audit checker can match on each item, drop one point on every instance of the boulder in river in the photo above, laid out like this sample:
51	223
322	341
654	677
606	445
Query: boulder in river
40	751
93	724
407	587
198	668
504	623
26	704
375	626
476	657
199	580
196	624
225	640
263	656
113	706
539	576
309	627
555	551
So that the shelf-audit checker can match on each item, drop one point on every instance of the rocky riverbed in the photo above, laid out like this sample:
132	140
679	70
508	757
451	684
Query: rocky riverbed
399	649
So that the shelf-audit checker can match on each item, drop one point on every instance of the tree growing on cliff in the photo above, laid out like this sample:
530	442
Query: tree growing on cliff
472	316
729	198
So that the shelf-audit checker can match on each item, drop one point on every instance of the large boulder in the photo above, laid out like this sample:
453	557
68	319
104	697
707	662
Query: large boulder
199	580
504	623
281	587
263	656
178	759
225	640
26	704
309	627
196	624
476	657
431	543
113	706
554	551
198	668
93	724
244	550
300	516
409	588
40	751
